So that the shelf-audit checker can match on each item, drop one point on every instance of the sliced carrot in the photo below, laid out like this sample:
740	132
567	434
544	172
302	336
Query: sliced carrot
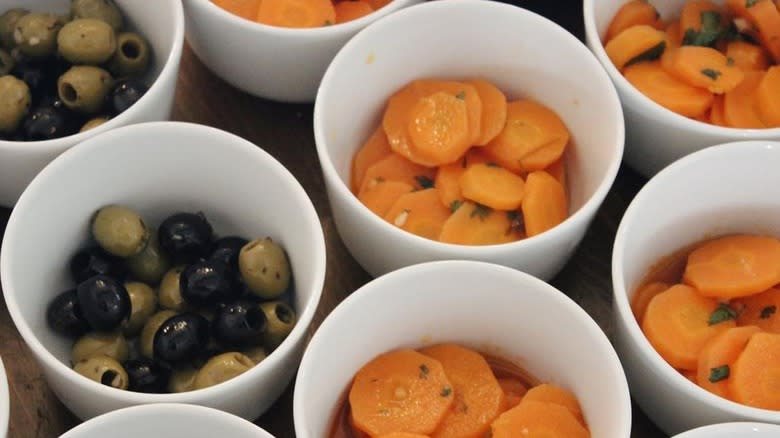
243	8
718	356
530	126
378	4
766	17
373	150
633	13
755	377
643	295
419	213
448	176
705	67
479	398
636	42
717	116
473	224
397	168
689	374
538	419
678	324
400	391
760	310
549	393
747	56
514	390
702	22
493	110
438	127
740	105
767	97
348	10
544	203
463	91
379	195
558	171
737	7
493	186
395	121
734	266
403	435
674	34
652	80
296	13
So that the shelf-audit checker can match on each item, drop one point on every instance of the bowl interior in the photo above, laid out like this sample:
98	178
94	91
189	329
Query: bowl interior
519	318
158	169
524	54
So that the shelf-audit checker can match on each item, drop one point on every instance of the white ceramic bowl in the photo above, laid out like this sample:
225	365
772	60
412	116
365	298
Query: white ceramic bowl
168	420
5	402
733	430
489	307
525	55
163	26
276	63
719	190
158	168
655	136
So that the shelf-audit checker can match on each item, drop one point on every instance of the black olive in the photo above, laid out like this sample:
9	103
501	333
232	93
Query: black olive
240	324
226	250
104	302
125	93
64	315
181	338
93	260
186	236
147	375
207	282
40	75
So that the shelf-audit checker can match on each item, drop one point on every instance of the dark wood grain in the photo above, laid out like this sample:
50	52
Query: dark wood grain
286	132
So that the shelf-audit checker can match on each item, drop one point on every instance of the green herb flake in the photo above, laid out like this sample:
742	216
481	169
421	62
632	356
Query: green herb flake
750	3
722	313
516	222
446	391
492	164
455	205
481	211
767	312
650	54
461	95
729	61
328	23
719	373
384	411
424	181
712	29
424	371
711	73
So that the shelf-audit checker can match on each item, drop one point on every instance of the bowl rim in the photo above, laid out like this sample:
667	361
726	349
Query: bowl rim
150	130
169	68
572	221
622	307
368	293
647	105
142	412
733	427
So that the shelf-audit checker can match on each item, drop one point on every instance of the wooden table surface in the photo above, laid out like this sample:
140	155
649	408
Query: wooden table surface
285	131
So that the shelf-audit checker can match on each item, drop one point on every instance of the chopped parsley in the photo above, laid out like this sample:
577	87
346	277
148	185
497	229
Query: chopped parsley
446	391
650	54
722	313
481	211
719	373
461	95
424	181
711	29
750	3
516	222
767	311
711	73
424	371
455	205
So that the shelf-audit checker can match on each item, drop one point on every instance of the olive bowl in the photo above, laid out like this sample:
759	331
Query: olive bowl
163	27
158	168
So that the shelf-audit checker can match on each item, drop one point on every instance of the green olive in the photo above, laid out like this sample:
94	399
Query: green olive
257	354
113	345
131	57
14	102
169	291
105	10
103	369
150	264
182	379
84	88
150	329
264	268
94	123
281	320
86	41
119	230
220	368
143	304
7	62
35	34
7	24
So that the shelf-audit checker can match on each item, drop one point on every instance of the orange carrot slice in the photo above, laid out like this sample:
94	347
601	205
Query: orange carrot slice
403	435
379	195
679	321
705	67
419	213
243	8
702	22
643	296
549	393
378	4
463	91
754	377
740	106
652	80
493	186
544	203
530	126
348	10
674	34
438	126
397	168
400	391
633	13
734	266
558	171
473	224
760	310
373	150
493	110
538	419
448	176
478	396
747	56
296	13
766	17
766	96
717	111
635	42
718	356
514	390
